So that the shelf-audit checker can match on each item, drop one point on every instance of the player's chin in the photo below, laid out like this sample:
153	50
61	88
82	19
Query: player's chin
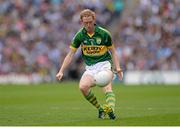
88	29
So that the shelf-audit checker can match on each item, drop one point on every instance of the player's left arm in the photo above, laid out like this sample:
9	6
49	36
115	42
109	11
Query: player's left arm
115	58
116	62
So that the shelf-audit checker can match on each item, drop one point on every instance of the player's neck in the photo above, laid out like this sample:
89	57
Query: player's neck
91	31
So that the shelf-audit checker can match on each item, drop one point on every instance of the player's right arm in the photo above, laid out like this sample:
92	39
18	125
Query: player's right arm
73	47
66	62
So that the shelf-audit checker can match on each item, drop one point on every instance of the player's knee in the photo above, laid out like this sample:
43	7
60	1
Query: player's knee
83	87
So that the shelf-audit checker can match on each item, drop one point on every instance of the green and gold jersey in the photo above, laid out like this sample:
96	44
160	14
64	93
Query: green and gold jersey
94	47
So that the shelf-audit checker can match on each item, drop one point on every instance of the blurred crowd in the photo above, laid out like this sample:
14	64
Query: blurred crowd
149	39
35	34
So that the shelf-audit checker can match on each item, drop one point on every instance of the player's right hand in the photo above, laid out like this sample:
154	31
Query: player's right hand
59	75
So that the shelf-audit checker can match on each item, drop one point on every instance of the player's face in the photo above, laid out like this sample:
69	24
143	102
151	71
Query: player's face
88	23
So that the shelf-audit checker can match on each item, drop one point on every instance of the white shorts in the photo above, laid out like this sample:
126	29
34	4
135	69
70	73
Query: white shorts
94	69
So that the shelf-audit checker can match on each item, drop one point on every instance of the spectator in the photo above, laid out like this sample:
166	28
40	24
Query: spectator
35	34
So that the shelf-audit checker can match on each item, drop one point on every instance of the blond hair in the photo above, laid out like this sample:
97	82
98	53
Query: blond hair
87	13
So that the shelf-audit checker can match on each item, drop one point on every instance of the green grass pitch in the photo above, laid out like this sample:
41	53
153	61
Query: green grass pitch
63	104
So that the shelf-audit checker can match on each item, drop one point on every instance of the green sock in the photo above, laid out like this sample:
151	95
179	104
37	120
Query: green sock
110	99
92	99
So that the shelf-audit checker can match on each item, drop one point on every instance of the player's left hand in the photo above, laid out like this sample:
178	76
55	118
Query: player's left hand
120	73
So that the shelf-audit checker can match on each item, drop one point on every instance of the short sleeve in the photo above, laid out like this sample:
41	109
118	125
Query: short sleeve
75	42
109	40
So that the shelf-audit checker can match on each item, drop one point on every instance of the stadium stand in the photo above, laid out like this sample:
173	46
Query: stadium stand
35	34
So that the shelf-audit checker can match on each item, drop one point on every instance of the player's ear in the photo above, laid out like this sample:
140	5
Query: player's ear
80	21
94	16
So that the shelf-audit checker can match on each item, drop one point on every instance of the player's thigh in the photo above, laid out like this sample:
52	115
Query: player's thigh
86	81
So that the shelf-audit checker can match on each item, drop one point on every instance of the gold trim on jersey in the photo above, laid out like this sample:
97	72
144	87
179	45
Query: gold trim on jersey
94	50
73	48
90	35
109	47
